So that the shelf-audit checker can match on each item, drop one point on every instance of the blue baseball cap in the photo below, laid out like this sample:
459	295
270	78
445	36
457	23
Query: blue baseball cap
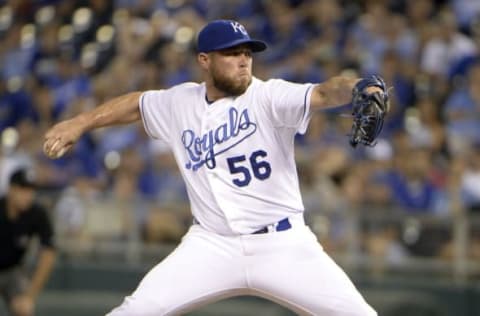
222	34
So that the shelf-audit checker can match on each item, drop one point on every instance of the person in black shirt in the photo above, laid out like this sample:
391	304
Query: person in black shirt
21	219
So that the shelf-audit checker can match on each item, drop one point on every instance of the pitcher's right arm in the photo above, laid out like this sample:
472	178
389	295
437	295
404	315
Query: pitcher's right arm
117	111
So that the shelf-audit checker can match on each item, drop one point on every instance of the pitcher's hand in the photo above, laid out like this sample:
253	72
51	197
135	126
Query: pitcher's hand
61	137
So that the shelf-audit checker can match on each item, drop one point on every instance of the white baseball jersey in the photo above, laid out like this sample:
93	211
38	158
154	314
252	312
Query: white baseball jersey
236	154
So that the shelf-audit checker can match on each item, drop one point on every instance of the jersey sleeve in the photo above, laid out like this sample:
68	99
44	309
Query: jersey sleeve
155	109
289	103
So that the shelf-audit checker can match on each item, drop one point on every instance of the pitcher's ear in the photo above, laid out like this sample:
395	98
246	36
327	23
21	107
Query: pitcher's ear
203	59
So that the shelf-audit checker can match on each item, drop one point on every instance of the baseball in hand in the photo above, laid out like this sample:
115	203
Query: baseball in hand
60	152
54	151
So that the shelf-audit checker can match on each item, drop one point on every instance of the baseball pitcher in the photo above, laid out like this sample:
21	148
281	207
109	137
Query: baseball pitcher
233	139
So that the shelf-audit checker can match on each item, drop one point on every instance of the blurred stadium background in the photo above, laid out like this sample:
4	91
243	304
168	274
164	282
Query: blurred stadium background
402	217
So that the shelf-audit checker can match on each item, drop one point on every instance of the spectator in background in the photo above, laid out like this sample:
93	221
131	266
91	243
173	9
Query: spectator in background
424	126
21	219
461	112
465	11
470	181
446	47
299	67
16	53
378	31
70	212
410	184
282	29
15	103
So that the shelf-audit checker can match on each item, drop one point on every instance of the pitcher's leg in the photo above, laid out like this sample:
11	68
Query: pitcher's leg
301	276
202	269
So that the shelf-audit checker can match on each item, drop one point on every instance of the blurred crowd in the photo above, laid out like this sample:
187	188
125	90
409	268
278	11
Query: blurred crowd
62	57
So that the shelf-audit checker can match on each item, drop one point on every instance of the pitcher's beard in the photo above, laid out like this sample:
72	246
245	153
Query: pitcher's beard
231	86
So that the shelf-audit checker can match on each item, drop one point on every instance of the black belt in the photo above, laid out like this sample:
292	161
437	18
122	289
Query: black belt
282	225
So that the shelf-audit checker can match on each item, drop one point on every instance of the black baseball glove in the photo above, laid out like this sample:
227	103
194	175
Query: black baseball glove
368	111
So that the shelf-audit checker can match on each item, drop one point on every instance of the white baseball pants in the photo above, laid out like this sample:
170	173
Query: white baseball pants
287	267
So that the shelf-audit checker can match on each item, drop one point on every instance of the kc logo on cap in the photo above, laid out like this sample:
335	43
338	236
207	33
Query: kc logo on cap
238	27
222	34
